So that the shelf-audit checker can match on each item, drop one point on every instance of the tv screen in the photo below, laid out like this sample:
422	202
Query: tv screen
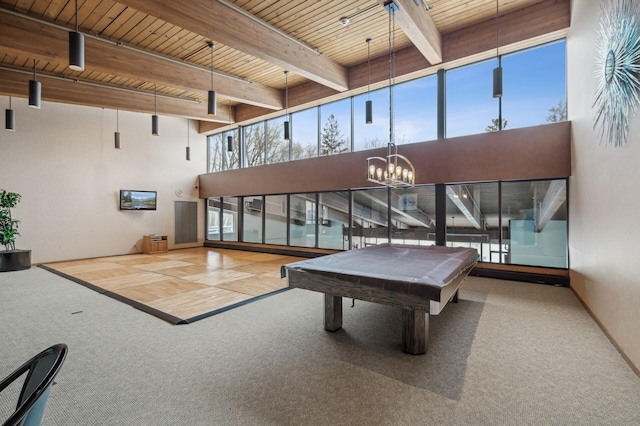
138	200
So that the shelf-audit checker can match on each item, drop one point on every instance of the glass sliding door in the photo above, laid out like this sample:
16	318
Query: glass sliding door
370	219
252	219
413	215
275	221
302	224
333	220
473	219
230	219
213	219
534	220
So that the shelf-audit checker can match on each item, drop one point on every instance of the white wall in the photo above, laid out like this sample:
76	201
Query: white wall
604	231
62	160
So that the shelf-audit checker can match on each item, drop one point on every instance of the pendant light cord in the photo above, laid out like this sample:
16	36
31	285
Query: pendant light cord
34	70
76	15
286	93
392	65
155	99
497	28
211	46
368	68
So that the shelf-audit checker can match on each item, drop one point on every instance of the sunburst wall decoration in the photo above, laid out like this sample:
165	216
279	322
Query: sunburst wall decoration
617	69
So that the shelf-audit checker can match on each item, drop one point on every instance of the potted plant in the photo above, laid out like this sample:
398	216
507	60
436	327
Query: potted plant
10	258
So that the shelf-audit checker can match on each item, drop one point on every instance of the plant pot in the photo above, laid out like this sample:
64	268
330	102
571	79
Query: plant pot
15	260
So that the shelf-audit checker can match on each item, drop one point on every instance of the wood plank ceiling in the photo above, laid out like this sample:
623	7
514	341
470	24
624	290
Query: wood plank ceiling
162	46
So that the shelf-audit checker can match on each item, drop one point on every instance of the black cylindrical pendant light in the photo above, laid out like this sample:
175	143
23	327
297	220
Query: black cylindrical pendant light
116	135
369	103
229	143
155	123
497	82
10	118
76	47
35	90
211	98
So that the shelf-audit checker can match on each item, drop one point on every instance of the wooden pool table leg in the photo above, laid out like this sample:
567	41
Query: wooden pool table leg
332	312
415	331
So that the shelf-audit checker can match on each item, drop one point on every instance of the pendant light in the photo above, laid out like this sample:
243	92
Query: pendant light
76	47
188	147
10	118
497	72
229	136
369	103
35	89
211	98
155	124
286	105
116	135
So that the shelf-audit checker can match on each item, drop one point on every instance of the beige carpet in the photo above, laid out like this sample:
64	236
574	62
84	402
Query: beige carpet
508	354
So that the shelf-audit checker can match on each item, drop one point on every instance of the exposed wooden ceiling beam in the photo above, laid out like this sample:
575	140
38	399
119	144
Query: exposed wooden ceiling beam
416	22
21	36
223	23
67	91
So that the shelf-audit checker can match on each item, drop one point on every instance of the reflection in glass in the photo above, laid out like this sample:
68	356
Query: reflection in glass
230	219
275	211
213	219
534	220
413	213
333	229
370	218
304	134
252	220
473	219
302	226
232	158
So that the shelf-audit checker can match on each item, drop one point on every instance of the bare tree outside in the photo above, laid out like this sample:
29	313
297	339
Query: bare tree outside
558	112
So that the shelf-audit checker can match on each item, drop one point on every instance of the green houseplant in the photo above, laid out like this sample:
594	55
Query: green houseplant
10	258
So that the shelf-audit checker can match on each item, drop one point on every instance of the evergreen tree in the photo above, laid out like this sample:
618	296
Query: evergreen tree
332	139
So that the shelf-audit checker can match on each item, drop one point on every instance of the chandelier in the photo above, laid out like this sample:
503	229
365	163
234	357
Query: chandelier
394	170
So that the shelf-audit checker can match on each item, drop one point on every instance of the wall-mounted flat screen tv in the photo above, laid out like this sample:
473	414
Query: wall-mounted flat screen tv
138	200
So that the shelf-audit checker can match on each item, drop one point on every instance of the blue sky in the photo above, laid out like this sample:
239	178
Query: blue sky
534	81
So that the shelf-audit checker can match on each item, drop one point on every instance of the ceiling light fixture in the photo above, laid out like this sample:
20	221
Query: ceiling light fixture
76	47
286	105
369	103
10	118
394	170
229	135
155	123
116	135
35	90
188	147
497	72
211	98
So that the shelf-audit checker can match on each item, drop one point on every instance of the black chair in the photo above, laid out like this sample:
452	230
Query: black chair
41	370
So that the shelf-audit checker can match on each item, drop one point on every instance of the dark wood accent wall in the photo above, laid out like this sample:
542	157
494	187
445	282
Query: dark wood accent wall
539	152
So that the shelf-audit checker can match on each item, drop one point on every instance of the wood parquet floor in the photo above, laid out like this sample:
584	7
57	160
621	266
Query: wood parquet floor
183	285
